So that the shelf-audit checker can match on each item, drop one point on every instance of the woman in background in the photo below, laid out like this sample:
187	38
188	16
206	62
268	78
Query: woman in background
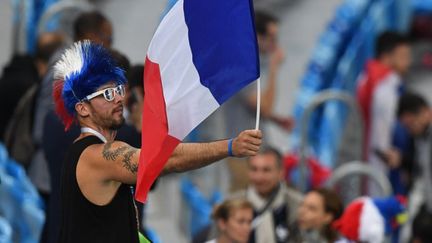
319	209
233	219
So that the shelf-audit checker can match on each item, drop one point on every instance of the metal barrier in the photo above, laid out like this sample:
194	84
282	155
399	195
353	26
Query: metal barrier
361	168
318	100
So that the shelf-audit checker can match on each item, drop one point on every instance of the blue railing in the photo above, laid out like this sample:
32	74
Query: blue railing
21	208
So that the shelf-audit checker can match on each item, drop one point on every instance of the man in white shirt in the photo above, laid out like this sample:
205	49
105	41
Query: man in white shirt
378	94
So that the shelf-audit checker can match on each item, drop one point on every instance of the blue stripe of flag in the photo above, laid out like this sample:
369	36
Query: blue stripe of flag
223	42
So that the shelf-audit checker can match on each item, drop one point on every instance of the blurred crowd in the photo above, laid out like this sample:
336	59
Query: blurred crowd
261	204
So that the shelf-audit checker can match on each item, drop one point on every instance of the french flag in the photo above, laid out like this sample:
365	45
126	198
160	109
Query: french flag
203	52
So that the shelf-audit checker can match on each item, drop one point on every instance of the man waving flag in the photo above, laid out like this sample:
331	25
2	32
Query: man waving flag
203	52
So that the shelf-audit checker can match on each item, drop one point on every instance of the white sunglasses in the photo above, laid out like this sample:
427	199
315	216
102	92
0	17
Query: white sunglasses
108	93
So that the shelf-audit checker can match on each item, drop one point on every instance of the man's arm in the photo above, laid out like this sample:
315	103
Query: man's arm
191	156
119	161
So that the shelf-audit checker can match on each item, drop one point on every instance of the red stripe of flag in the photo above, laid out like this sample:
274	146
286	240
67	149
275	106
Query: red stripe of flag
154	132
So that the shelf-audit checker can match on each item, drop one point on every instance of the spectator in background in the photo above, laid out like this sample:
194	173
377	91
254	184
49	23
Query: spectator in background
233	219
319	209
240	110
378	93
24	72
275	205
415	114
93	26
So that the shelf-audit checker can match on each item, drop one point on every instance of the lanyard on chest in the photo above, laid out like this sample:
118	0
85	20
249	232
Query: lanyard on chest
94	132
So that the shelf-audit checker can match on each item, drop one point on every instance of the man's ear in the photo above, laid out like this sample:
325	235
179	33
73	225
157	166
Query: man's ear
82	109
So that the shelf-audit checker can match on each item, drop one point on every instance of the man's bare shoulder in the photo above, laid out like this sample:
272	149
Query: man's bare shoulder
100	153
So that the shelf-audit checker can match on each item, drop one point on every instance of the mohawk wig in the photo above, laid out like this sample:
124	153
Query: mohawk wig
81	70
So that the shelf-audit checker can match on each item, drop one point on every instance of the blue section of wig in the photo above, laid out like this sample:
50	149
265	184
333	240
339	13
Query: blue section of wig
99	68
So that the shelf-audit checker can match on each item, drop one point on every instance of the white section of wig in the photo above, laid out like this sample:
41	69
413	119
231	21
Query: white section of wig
71	61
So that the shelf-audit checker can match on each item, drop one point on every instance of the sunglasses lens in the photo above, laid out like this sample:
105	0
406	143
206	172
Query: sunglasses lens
121	90
109	94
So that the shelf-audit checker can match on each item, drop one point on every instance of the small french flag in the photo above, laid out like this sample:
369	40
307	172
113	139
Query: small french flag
202	53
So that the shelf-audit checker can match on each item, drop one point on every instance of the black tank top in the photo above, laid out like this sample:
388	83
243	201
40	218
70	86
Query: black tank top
83	221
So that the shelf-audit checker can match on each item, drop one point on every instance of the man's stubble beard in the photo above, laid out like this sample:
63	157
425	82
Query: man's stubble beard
108	122
114	126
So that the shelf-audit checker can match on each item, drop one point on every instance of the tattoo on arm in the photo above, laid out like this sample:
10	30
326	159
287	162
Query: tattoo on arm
127	163
110	154
126	152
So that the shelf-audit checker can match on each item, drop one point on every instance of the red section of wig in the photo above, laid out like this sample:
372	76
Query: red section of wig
60	107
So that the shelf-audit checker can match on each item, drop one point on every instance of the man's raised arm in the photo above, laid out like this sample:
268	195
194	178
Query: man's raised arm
190	156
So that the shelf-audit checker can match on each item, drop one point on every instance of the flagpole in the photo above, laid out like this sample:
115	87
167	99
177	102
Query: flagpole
258	104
